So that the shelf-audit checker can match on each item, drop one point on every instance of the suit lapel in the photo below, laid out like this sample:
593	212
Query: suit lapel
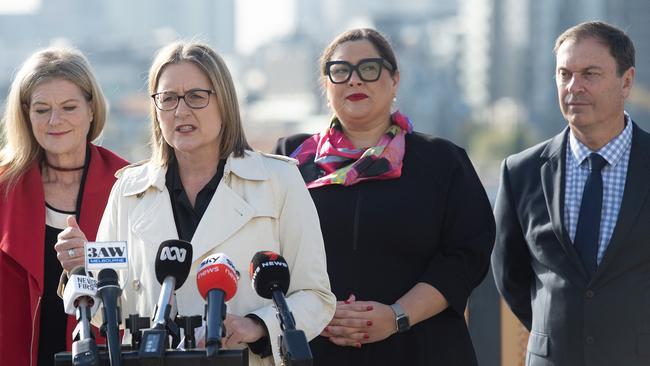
552	173
634	196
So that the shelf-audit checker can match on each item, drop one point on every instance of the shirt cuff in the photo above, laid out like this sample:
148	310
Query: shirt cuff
262	346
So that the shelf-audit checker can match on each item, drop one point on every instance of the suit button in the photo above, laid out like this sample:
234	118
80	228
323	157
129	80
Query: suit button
589	340
589	294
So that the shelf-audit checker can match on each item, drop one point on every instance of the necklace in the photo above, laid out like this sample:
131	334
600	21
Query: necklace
62	169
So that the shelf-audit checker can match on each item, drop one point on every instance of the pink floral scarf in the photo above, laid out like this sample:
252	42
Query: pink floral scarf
330	158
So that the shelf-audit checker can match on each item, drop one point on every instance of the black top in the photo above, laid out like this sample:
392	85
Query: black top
434	224
54	320
186	217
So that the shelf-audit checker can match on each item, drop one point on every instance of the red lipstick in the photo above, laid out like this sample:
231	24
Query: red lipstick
356	97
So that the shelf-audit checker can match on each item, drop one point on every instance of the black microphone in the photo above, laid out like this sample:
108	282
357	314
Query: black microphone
173	262
80	299
109	291
269	273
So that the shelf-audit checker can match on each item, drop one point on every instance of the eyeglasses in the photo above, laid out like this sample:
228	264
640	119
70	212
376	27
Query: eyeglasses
368	69
195	99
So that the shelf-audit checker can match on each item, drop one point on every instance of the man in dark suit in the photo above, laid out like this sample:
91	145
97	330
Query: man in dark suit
572	253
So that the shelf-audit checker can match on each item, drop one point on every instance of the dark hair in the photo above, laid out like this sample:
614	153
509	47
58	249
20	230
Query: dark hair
380	43
620	45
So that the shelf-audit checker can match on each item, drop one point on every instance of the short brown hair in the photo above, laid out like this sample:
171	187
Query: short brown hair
620	45
233	139
380	43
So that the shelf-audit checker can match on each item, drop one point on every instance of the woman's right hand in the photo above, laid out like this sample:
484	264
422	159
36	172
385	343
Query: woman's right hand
70	245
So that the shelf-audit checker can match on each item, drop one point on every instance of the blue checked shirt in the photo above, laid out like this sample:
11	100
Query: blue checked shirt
617	154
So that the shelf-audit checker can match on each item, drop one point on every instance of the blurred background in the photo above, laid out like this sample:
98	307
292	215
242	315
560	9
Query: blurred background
478	72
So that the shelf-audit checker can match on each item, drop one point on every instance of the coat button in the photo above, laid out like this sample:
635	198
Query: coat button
589	294
589	340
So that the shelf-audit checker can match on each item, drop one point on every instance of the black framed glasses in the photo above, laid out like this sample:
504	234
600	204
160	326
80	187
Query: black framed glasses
368	69
195	99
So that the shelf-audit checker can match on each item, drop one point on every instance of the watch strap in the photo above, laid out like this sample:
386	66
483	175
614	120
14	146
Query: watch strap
402	323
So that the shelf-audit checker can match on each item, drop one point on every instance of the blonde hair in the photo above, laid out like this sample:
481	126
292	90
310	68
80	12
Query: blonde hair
233	139
19	146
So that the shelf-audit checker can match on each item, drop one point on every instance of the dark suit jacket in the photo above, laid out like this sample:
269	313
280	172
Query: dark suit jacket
573	320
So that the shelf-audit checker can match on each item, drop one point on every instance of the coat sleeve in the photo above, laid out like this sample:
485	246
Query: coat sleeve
466	238
511	264
309	297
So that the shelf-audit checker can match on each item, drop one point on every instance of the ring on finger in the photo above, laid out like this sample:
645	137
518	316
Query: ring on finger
71	252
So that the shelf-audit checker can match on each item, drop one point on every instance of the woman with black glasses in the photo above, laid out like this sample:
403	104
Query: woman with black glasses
204	184
408	228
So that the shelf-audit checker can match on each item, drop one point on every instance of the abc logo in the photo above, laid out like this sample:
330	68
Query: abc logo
173	254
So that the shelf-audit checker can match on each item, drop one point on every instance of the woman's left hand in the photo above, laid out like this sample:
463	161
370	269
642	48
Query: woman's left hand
239	330
70	245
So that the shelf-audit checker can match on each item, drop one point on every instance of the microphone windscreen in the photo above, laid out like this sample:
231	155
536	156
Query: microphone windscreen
80	285
174	258
217	271
269	272
107	277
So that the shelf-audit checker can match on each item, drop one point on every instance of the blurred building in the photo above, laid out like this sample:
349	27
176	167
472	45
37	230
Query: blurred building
523	33
119	37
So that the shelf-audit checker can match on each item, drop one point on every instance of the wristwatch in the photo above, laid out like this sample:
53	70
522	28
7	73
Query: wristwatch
401	318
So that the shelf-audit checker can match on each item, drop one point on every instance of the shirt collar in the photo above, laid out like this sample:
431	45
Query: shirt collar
145	175
612	152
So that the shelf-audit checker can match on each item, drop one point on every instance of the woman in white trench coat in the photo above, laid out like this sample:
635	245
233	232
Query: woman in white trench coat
203	184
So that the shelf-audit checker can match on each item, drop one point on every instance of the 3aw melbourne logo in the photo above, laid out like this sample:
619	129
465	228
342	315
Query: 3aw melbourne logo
173	254
108	254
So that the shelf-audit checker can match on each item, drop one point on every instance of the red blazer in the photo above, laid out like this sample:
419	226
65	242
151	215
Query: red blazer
22	233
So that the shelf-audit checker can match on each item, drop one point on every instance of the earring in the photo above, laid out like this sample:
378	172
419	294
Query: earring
394	99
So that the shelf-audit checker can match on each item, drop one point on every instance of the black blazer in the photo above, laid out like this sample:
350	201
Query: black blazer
434	224
573	321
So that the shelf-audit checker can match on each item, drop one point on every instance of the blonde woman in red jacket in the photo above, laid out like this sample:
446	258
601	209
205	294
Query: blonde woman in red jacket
51	176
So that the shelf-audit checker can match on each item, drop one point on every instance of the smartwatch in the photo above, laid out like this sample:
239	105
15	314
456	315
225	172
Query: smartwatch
401	318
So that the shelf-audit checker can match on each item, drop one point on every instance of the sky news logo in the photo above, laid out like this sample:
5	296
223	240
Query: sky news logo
107	254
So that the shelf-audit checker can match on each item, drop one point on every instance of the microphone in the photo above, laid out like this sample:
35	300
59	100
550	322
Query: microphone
80	299
270	278
109	291
173	262
216	280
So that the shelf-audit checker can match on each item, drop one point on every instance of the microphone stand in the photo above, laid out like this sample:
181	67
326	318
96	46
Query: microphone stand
111	320
84	347
294	348
155	340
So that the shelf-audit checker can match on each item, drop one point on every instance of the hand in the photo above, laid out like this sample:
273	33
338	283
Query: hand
70	245
349	325
359	322
240	329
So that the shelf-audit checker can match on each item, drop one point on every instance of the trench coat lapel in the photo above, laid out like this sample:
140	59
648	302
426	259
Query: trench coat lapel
228	210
